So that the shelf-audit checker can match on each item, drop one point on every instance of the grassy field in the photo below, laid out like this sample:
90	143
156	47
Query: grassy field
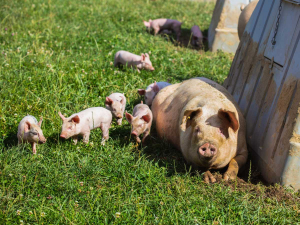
57	55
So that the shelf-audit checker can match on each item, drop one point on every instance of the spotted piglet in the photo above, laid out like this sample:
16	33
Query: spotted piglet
140	121
29	131
116	103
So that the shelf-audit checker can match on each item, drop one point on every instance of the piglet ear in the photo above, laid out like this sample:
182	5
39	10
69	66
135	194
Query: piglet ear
61	116
143	57
76	119
229	119
108	101
122	99
141	91
27	126
155	87
40	123
128	117
146	54
147	118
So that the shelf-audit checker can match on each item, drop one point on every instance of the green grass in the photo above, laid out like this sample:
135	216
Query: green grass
56	56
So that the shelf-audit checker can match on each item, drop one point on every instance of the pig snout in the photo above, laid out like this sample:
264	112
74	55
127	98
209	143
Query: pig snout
152	68
119	116
134	133
62	135
207	150
42	140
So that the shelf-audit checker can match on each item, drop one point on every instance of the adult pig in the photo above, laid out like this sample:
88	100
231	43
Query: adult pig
116	103
140	121
161	24
131	60
245	16
152	90
29	130
197	36
202	120
83	122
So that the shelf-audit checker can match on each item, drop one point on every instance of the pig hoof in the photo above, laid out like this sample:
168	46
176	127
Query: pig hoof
229	176
209	178
103	142
119	123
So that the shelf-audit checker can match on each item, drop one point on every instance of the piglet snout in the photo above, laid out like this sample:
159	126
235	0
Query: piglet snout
134	133
207	150
42	141
63	136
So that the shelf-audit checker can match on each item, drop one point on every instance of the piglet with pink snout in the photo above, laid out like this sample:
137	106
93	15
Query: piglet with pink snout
116	103
152	90
159	25
129	59
29	131
83	122
140	121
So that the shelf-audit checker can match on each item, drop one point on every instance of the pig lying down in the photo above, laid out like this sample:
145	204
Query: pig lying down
202	120
116	103
29	130
83	122
197	36
131	60
161	24
152	90
140	121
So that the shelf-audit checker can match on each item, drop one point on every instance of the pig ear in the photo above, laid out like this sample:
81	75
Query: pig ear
128	117
108	101
230	117
188	117
141	91
122	99
147	118
143	57
155	87
61	116
40	123
27	126
75	119
146	54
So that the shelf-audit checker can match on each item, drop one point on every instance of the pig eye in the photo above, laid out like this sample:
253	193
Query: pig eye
197	130
33	133
70	128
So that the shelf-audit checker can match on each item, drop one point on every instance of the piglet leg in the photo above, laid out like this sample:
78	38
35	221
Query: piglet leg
119	121
105	132
75	139
33	144
86	138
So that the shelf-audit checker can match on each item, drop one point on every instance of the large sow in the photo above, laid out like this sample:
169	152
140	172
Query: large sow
202	120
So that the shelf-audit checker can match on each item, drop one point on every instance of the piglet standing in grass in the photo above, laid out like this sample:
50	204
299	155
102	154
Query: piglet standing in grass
161	24
116	103
152	90
137	62
140	121
83	122
29	130
197	36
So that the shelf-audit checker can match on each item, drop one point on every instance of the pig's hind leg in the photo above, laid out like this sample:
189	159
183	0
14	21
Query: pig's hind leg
105	132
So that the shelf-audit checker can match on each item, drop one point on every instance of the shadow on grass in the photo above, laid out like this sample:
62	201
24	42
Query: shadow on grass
10	140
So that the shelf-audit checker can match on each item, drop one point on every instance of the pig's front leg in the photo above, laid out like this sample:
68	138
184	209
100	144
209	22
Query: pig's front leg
138	140
234	165
156	30
75	139
86	137
119	121
208	177
33	144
